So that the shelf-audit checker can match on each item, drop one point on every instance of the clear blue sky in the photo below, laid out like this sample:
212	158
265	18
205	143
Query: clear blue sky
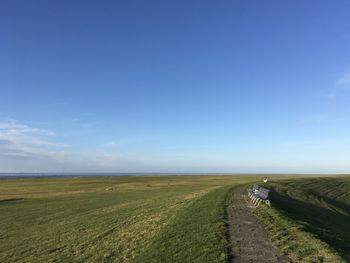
175	86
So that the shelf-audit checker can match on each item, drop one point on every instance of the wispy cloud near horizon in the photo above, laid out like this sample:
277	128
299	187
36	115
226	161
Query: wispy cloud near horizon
20	140
30	149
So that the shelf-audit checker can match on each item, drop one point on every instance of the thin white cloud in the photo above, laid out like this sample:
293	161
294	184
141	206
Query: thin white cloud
30	149
315	119
17	139
117	143
15	127
341	84
79	122
326	143
319	119
343	80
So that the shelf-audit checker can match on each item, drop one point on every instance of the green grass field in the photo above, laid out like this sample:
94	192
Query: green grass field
118	219
163	219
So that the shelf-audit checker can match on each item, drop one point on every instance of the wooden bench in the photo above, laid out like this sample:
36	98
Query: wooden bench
258	195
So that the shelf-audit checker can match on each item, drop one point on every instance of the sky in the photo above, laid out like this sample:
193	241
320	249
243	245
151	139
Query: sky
175	86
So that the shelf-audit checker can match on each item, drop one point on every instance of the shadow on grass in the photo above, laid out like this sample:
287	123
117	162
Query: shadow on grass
10	200
327	225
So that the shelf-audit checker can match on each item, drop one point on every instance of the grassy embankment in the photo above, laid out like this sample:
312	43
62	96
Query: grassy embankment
114	219
310	218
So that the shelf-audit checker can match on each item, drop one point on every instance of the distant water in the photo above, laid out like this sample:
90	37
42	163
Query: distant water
58	175
46	175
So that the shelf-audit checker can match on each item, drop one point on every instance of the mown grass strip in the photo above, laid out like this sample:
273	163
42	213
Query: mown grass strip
196	234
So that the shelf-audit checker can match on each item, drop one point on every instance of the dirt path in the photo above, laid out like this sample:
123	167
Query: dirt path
249	241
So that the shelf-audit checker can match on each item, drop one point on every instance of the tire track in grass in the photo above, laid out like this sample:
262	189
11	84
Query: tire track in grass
196	234
135	231
98	232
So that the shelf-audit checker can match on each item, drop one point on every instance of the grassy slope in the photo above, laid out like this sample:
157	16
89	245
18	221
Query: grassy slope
310	218
106	219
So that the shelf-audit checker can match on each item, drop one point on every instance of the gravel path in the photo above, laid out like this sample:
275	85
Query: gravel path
249	241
